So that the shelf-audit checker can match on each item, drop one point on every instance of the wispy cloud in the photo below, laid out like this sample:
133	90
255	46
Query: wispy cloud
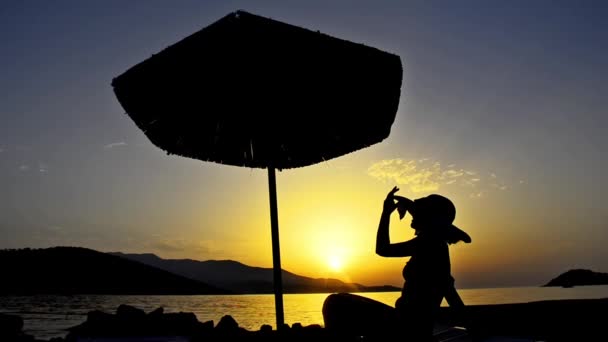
478	194
115	144
178	245
1	150
416	174
42	167
427	175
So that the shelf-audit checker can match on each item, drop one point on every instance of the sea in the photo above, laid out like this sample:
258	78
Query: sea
48	316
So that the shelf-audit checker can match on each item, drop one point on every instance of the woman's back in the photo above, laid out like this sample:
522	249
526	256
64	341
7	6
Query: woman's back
427	274
429	264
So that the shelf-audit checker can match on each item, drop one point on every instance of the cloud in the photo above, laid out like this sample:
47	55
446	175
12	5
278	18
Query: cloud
500	186
453	173
114	144
1	150
411	173
478	194
42	167
427	175
168	246
178	245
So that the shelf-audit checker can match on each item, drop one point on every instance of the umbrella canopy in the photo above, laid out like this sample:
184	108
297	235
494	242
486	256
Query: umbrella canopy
254	92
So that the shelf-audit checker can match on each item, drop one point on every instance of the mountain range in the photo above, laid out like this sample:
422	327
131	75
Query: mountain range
240	278
76	270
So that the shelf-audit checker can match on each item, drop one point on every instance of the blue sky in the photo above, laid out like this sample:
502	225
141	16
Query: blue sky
509	97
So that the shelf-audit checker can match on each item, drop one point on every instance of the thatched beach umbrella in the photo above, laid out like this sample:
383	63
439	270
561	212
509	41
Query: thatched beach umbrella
255	92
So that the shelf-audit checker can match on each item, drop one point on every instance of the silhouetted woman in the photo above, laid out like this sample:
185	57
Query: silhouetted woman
427	274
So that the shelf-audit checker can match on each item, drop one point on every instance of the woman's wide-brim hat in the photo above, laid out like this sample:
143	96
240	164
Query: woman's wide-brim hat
436	205
458	234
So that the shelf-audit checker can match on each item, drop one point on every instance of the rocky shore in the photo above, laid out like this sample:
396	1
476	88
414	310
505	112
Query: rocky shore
557	320
130	323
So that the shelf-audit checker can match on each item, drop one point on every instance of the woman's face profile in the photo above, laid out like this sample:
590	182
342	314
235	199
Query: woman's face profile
421	213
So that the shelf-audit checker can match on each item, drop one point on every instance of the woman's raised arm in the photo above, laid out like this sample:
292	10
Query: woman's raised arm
383	244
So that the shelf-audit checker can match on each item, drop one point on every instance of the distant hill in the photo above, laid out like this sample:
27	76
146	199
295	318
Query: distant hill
74	270
240	278
579	277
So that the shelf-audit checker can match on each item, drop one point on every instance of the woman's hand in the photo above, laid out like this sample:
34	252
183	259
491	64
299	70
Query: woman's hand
403	205
389	202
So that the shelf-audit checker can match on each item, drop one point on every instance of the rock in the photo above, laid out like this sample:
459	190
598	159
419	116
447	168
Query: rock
313	327
266	328
208	325
227	324
156	312
129	312
179	323
131	321
99	317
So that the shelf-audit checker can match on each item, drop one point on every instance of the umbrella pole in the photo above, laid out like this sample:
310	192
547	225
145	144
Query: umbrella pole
276	252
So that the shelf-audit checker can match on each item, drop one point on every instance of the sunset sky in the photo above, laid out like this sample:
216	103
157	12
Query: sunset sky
503	110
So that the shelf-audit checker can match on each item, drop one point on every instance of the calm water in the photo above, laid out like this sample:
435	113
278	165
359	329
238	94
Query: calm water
48	316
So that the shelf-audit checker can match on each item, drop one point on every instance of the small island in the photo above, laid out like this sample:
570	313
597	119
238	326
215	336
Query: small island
579	277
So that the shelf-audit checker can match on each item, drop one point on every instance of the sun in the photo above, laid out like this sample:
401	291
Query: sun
335	263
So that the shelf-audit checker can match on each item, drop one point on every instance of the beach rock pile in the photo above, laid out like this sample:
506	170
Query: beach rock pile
130	322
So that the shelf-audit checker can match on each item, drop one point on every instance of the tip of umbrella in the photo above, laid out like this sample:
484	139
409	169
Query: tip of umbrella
238	13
